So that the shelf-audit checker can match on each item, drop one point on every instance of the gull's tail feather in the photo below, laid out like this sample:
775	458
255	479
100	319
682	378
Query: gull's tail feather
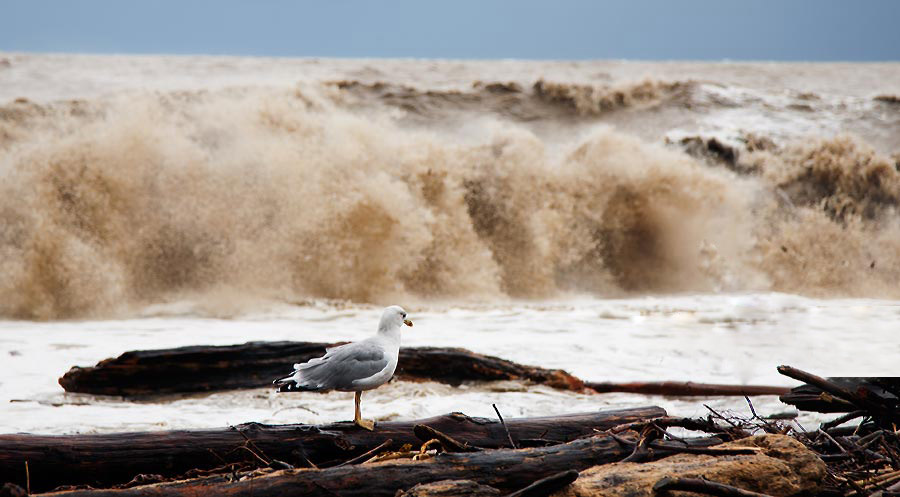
282	381
290	384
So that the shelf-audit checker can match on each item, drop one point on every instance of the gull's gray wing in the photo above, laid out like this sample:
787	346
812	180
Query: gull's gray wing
340	366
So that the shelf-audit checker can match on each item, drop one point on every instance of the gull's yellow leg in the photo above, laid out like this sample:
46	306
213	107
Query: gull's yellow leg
357	417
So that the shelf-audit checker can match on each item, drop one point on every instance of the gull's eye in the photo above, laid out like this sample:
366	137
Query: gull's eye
404	315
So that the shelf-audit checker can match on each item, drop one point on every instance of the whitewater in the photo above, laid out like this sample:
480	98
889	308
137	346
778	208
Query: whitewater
624	221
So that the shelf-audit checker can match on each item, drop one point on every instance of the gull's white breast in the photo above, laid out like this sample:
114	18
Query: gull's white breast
391	352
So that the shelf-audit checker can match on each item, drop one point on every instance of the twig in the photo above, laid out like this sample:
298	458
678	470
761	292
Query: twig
642	450
427	446
713	451
686	423
895	461
276	464
841	420
859	490
723	418
504	426
891	491
882	479
449	443
767	426
264	456
866	441
671	436
861	450
703	487
390	456
27	480
736	433
834	457
752	410
548	485
368	454
829	437
226	463
248	449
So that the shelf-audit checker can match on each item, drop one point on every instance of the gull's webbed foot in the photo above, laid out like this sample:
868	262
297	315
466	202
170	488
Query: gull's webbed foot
367	424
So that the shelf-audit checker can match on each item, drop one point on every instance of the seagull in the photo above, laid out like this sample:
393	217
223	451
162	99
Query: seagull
353	367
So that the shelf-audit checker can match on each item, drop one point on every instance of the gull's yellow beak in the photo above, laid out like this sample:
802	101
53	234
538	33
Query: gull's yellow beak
407	322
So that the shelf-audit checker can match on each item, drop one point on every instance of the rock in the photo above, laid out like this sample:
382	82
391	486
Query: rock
450	488
784	467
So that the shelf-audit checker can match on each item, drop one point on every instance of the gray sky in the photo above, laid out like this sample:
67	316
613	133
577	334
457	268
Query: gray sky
550	29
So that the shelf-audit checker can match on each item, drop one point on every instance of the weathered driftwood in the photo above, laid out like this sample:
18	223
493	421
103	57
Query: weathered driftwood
504	469
256	364
107	459
878	397
676	388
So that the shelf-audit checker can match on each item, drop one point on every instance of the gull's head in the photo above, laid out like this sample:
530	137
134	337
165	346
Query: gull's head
394	316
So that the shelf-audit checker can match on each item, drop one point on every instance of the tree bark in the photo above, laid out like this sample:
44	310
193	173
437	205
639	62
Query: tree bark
256	364
504	469
108	459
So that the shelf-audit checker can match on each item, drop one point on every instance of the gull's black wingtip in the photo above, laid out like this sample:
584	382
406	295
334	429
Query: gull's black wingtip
294	387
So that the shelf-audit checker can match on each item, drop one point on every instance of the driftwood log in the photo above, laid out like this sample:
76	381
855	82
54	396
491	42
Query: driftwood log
108	459
877	396
504	469
256	364
689	388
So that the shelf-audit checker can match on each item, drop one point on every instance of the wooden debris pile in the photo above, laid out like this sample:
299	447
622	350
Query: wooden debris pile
437	456
234	454
639	452
440	462
860	447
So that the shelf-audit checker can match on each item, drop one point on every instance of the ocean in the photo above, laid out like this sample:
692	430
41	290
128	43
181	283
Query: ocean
625	221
